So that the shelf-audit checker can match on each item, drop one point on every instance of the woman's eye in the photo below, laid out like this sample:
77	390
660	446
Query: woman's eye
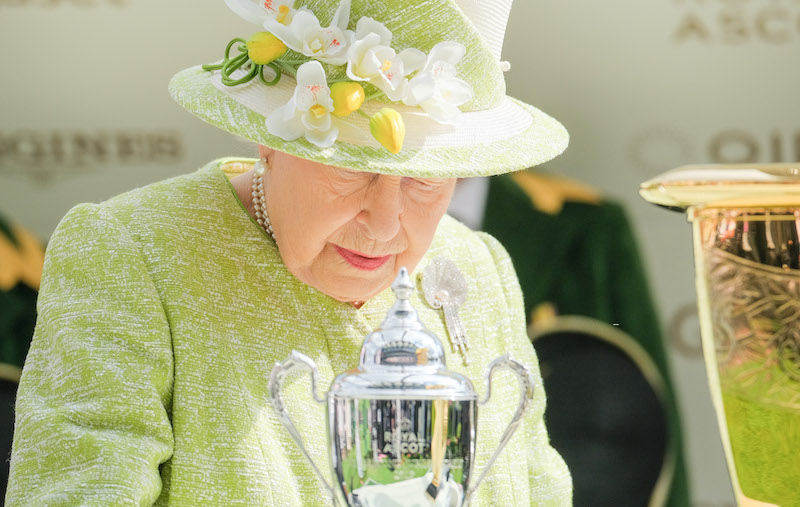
423	184
417	182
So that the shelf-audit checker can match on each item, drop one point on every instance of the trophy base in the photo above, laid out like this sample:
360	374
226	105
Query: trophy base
410	493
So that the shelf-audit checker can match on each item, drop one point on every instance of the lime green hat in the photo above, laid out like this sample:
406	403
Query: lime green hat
402	87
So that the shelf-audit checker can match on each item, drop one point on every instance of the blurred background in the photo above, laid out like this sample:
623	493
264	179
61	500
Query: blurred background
642	87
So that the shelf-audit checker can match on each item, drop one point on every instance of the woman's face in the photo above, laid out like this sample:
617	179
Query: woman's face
347	233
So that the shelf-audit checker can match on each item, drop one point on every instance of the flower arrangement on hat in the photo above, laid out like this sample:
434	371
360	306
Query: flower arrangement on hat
397	87
362	65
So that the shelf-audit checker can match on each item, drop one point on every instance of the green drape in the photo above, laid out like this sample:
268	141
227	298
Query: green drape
584	260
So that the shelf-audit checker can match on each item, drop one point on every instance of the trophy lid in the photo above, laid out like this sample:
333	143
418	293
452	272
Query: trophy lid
402	359
746	185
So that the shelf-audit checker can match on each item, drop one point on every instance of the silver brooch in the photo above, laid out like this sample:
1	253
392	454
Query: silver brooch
445	287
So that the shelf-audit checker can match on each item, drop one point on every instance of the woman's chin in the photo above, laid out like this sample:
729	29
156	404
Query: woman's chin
357	292
344	282
358	287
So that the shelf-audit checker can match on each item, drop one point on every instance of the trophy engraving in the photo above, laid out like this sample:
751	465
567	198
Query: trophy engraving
746	225
401	427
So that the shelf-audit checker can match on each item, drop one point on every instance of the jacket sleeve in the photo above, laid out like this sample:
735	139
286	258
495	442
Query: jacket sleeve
92	412
549	478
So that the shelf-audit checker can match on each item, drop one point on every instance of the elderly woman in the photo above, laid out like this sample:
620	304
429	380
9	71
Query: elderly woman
163	310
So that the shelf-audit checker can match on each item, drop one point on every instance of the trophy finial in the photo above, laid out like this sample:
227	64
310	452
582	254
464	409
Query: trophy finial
402	339
402	286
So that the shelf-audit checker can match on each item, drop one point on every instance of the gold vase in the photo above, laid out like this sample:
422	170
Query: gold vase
746	229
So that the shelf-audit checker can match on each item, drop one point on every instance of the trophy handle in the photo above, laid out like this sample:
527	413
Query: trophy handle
295	361
526	396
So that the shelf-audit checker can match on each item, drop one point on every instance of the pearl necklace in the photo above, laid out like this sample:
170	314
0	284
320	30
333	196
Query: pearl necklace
257	192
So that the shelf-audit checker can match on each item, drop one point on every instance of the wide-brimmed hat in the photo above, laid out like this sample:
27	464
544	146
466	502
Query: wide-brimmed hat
402	87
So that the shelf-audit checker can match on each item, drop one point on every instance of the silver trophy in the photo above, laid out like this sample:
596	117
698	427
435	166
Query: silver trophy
401	427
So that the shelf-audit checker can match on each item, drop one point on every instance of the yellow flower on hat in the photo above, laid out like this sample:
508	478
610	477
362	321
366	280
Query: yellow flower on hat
388	128
347	97
264	47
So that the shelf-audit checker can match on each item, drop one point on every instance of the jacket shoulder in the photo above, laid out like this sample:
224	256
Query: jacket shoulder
454	238
166	196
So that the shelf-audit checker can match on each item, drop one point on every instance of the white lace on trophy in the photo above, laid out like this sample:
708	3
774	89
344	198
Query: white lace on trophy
409	493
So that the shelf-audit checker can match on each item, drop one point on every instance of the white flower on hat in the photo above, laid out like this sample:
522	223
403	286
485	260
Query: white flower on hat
305	35
367	57
372	59
261	10
436	89
308	112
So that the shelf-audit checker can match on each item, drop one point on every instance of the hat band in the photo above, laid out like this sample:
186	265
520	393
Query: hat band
473	128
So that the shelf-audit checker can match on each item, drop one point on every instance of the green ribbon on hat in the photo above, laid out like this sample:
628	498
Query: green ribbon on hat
230	65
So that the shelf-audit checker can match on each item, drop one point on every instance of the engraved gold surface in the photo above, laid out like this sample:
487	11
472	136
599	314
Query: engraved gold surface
748	268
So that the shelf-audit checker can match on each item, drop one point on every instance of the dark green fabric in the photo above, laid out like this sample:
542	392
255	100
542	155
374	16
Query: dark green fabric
17	315
17	319
584	261
5	230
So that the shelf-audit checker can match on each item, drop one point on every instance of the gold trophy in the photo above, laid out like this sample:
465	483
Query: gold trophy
746	225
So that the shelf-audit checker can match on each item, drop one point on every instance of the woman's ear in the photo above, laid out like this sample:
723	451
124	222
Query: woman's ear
265	152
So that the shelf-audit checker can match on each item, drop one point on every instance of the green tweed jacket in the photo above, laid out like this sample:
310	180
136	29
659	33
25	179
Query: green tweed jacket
161	314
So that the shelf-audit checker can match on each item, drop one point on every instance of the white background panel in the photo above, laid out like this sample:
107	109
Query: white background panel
641	86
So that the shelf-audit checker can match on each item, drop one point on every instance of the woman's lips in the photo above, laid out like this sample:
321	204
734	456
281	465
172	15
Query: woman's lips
362	261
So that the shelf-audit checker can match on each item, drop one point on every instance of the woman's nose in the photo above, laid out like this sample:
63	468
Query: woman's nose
382	209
